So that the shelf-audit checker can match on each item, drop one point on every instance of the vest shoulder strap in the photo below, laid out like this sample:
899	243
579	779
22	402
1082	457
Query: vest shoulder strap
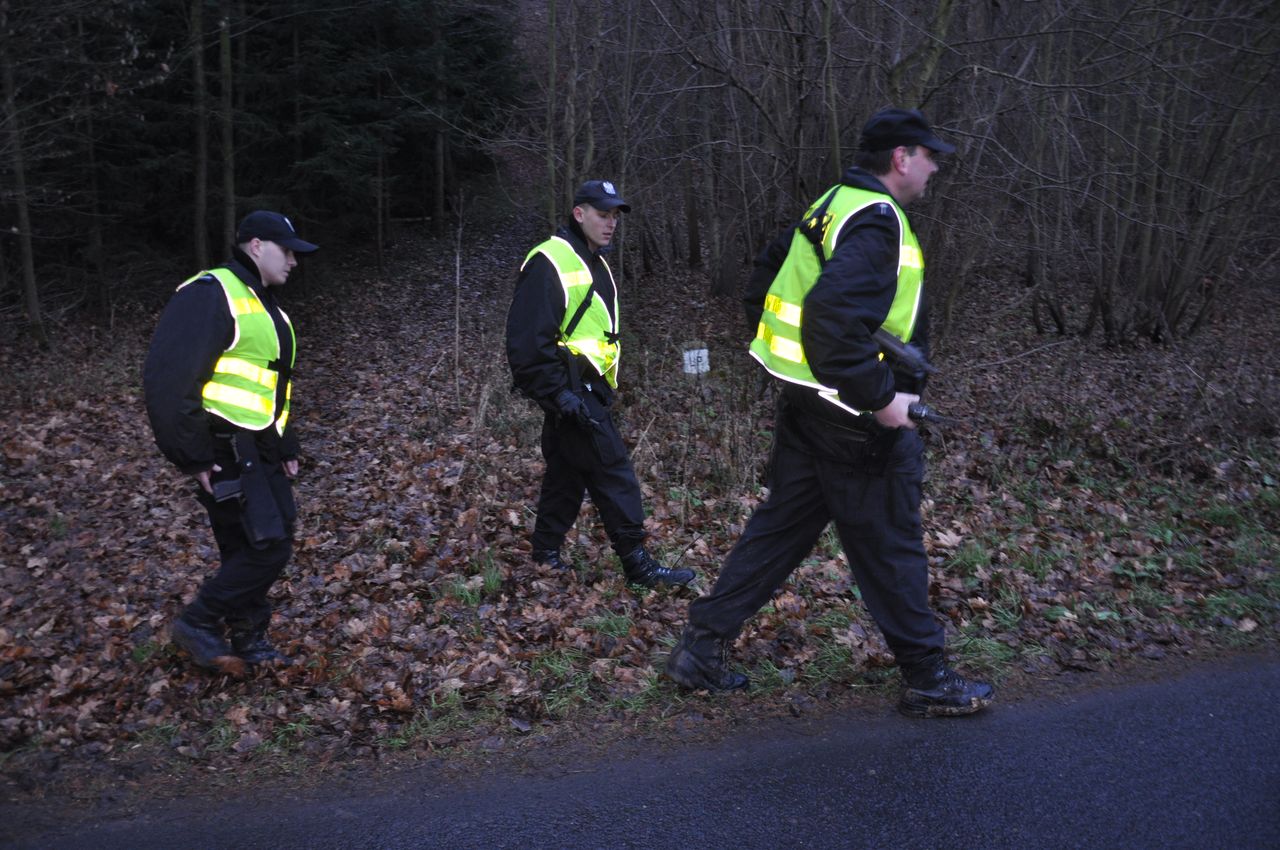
811	228
581	311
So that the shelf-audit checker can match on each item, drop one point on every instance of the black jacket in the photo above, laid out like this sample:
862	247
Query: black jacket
539	367
850	300
194	330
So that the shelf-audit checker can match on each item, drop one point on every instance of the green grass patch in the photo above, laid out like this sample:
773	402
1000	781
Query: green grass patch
492	580
684	496
833	663
613	625
557	663
974	555
1223	515
290	736
221	736
1250	550
829	544
146	650
1151	600
159	735
1235	604
1038	562
572	694
768	677
464	590
981	654
833	620
1006	609
442	714
1101	610
566	679
643	700
1137	571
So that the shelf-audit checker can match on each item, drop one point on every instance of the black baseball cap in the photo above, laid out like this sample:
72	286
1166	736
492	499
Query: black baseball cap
891	128
601	195
272	227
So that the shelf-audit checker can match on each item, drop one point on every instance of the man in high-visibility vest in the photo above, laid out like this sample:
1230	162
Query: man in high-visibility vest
845	449
564	350
217	382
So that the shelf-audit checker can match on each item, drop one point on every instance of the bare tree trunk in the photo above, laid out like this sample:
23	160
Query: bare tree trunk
830	92
692	204
553	200
569	143
227	119
439	148
32	296
97	283
200	168
439	168
241	53
380	224
296	130
921	66
457	304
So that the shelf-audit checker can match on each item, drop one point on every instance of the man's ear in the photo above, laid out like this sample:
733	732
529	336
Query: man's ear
900	159
578	214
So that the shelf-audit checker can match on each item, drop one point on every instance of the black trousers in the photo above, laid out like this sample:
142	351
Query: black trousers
587	460
874	499
237	593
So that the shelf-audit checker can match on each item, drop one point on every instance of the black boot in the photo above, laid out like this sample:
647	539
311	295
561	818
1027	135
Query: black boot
206	646
698	663
550	558
642	569
252	645
935	690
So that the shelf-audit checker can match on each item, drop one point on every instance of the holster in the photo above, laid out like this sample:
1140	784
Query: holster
259	511
571	366
866	447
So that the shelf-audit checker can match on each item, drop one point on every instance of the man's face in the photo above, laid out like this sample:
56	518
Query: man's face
274	261
597	226
917	168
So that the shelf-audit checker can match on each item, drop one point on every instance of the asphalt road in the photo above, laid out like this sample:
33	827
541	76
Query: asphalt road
1188	762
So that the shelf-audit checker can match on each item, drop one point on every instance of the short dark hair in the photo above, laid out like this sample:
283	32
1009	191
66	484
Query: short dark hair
879	162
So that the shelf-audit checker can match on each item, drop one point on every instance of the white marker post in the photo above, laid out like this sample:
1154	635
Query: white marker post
696	360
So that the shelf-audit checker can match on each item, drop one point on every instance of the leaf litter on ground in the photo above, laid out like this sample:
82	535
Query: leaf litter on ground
1093	506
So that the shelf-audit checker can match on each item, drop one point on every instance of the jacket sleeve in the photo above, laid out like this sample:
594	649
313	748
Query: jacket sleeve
533	325
289	445
194	330
849	302
763	270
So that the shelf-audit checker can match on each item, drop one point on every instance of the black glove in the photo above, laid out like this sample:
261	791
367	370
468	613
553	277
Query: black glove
571	406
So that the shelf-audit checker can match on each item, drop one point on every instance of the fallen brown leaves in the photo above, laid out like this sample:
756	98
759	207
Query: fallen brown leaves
1086	512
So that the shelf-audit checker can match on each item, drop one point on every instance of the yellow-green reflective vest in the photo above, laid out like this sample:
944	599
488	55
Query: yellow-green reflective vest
777	345
242	389
596	333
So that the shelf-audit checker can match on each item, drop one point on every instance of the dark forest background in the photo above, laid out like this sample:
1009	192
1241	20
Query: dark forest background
1115	156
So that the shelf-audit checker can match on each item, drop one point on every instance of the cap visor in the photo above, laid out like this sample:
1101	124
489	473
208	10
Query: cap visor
611	203
939	146
299	246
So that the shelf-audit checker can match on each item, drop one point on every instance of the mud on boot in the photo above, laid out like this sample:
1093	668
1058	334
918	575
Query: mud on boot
207	647
642	569
698	663
549	558
253	647
935	690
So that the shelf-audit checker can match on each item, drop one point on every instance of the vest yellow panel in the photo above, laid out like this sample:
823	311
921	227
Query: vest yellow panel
242	389
595	336
778	344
